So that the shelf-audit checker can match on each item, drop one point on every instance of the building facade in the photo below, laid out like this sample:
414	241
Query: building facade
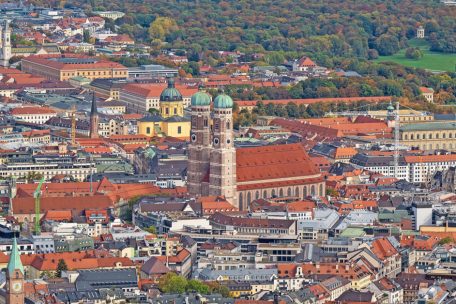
64	67
429	136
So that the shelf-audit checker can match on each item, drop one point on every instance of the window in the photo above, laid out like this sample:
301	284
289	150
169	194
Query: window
175	111
227	125
179	130
167	111
148	130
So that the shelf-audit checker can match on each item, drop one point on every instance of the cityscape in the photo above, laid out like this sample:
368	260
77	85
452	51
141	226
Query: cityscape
227	152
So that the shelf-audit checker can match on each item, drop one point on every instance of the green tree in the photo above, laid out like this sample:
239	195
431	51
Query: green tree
151	229
161	27
387	44
172	283
61	266
86	36
154	111
446	240
292	109
413	53
198	286
275	58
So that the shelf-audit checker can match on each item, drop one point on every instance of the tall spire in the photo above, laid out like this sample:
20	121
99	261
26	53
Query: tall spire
94	118
93	110
15	262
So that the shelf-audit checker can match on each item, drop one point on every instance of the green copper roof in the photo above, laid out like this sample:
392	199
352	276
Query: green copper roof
171	93
15	259
429	126
223	101
201	98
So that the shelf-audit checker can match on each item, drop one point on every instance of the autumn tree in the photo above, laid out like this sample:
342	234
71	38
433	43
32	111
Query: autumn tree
161	27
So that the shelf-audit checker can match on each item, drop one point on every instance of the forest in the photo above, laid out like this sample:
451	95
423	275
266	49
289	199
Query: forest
321	29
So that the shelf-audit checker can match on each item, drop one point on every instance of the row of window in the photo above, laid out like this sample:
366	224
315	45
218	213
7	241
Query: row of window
280	193
429	136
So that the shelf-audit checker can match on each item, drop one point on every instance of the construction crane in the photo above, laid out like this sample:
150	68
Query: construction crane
73	125
37	196
396	142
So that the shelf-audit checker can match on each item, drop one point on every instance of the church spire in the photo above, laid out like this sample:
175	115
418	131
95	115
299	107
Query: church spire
15	262
93	110
94	118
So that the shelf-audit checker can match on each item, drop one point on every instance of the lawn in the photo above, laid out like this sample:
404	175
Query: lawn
431	61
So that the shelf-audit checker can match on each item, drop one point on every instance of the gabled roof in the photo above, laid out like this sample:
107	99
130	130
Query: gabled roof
273	162
154	266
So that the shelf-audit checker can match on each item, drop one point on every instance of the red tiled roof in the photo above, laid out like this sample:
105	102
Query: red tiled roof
58	215
383	248
153	90
32	110
306	61
429	158
26	205
267	163
426	90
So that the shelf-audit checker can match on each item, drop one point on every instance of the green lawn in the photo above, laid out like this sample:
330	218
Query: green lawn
431	61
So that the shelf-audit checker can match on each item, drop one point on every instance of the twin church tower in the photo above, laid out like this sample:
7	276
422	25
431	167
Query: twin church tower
212	157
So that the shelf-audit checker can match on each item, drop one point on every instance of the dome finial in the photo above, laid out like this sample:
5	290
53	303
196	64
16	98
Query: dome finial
171	82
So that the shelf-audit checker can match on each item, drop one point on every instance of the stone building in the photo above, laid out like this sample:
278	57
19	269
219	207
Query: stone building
242	175
429	136
420	32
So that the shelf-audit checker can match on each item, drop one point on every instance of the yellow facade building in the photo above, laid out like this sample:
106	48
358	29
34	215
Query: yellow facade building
171	121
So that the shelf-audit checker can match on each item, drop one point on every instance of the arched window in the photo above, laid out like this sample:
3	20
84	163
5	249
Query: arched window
228	125
437	135
240	200
411	136
430	136
312	190
289	191
417	136
321	190
444	135
273	193
304	190
297	191
450	135
249	198
265	194
281	192
405	136
257	195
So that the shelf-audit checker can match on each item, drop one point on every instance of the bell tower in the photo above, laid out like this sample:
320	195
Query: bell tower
5	53
15	277
200	144
222	177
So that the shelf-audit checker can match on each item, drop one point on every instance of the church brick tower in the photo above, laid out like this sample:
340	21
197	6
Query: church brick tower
199	150
15	277
94	118
222	167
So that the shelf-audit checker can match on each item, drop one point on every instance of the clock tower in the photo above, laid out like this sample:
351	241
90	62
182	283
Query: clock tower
15	277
